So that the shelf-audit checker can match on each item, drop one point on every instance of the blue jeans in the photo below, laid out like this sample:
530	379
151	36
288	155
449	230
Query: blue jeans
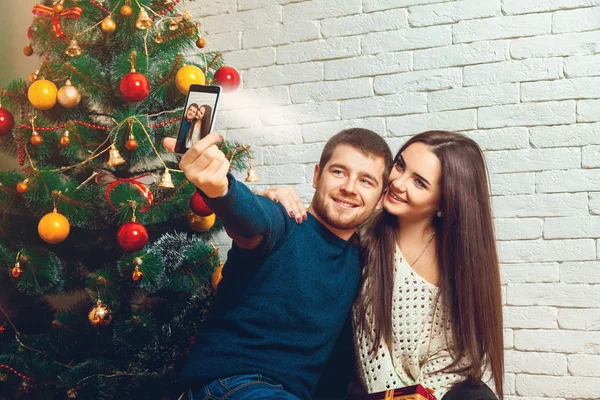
242	387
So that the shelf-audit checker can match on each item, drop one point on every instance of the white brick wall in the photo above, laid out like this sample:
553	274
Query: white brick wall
520	77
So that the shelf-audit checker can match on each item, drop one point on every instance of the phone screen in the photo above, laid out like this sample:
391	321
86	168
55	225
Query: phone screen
198	116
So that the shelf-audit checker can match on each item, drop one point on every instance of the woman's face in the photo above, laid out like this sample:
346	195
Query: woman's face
200	114
414	189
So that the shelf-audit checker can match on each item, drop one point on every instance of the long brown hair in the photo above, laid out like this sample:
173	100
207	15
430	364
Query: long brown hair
204	123
467	258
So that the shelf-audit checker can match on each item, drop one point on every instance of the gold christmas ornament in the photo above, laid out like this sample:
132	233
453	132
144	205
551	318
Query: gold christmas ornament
158	39
33	76
58	7
68	96
100	314
166	182
173	25
200	224
71	394
114	157
251	176
108	25
73	50
200	43
167	2
126	10
65	140
143	22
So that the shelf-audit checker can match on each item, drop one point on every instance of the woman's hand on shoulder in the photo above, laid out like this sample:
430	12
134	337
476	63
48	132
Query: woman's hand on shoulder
290	200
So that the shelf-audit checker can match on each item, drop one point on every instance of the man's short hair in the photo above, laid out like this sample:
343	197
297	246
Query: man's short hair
193	105
365	140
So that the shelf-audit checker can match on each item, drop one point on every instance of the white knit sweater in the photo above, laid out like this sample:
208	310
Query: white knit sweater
419	339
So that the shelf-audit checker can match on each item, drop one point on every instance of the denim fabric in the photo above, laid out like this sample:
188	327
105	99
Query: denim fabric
242	387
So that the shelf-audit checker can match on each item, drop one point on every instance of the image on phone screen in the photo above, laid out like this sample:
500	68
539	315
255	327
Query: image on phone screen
198	116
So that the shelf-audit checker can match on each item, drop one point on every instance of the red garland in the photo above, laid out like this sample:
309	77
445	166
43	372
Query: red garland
44	11
99	6
20	152
139	182
88	125
14	371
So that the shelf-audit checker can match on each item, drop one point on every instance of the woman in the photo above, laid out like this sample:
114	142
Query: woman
429	307
200	126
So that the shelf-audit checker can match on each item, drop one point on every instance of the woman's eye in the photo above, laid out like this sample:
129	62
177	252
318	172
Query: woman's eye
399	164
420	183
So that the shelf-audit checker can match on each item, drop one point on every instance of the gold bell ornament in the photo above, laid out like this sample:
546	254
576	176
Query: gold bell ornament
73	50
166	182
252	176
114	157
143	22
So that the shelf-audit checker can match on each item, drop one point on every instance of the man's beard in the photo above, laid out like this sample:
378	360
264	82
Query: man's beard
334	219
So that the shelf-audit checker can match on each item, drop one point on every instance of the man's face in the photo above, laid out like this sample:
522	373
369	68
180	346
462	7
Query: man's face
191	112
348	189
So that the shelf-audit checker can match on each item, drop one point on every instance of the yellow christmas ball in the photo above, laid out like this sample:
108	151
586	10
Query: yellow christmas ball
42	94
200	224
108	25
189	75
216	277
54	228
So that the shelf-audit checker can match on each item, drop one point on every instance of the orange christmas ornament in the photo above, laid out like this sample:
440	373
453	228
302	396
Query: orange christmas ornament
17	271
131	143
54	227
23	187
65	140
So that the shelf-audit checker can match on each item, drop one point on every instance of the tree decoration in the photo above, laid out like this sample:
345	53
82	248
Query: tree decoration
100	314
132	236
68	96
108	25
189	75
134	87
65	140
228	78
56	14
201	224
7	121
42	94
54	228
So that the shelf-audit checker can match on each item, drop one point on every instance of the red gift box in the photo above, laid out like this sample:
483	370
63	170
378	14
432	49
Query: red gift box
416	392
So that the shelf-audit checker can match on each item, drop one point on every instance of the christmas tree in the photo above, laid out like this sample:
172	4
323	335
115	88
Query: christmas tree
104	275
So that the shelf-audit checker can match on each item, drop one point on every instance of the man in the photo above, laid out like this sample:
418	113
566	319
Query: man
287	288
186	124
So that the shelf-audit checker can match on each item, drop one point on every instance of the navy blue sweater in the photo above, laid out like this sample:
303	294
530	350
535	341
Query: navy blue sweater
280	307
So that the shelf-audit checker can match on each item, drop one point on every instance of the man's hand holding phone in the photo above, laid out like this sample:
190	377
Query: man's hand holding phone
204	165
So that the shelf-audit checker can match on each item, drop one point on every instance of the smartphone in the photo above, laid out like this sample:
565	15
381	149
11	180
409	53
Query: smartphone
198	116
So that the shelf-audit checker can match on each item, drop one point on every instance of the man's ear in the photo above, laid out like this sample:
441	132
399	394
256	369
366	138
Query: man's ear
316	176
380	202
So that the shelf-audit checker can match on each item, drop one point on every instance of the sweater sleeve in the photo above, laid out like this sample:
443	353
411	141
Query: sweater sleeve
249	215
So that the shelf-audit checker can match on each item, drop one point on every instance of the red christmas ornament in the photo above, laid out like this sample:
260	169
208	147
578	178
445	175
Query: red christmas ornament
134	87
7	121
132	236
198	206
228	78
